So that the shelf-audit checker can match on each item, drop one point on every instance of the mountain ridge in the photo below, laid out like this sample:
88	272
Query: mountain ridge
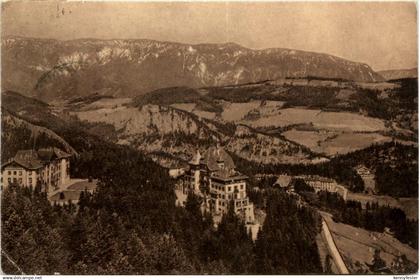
51	69
394	74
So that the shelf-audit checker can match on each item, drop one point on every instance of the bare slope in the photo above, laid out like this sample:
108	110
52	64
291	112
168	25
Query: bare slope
399	73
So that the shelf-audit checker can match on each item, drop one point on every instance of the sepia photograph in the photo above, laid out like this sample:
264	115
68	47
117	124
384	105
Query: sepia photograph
209	138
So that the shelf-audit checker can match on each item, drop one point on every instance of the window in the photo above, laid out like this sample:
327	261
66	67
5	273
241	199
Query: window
30	181
20	173
20	180
9	172
14	180
9	180
30	173
14	172
229	189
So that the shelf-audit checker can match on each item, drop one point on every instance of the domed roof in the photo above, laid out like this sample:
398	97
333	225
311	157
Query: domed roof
216	156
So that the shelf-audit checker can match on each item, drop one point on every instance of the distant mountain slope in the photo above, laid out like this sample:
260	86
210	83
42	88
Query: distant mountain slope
52	70
399	74
17	134
394	101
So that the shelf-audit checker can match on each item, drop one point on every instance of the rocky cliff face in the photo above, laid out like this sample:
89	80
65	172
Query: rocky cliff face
52	70
178	133
149	121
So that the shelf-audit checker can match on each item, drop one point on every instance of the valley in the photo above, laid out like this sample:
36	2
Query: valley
356	132
209	138
281	128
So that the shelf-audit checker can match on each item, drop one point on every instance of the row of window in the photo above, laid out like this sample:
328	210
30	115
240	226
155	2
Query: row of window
15	180
228	196
229	188
20	172
240	203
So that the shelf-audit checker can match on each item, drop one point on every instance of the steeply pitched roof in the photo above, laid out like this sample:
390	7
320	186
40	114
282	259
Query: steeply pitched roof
25	158
32	160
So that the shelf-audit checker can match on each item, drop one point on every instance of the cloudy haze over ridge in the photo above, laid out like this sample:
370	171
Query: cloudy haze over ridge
384	35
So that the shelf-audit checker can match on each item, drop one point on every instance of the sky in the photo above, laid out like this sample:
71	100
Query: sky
381	34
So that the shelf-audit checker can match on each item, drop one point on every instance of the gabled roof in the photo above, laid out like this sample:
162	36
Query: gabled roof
26	159
25	153
33	160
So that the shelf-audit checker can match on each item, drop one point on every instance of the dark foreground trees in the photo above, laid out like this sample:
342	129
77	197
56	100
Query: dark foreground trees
286	243
131	225
45	239
31	234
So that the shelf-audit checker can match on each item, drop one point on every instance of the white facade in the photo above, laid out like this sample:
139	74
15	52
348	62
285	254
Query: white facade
20	175
176	172
325	184
27	169
64	170
222	193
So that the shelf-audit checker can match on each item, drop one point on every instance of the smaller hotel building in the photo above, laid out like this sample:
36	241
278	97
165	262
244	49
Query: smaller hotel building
48	167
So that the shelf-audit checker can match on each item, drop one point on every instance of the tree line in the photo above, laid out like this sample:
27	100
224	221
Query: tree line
372	217
131	225
394	165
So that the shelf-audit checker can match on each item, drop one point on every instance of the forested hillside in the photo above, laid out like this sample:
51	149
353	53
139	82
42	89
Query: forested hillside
132	226
395	167
19	134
